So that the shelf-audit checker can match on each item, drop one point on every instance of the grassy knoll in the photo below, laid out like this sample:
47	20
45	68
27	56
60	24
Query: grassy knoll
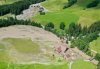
80	64
95	45
23	45
56	18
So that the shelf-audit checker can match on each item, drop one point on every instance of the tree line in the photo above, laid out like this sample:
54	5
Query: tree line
82	36
13	21
17	7
94	3
76	29
70	3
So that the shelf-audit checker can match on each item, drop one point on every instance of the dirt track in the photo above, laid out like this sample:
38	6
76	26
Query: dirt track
31	11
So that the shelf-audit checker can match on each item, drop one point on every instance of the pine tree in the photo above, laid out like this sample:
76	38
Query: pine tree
98	66
49	26
62	25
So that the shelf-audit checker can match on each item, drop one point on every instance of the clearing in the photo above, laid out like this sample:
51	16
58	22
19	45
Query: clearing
80	64
29	42
4	2
77	13
19	43
95	45
56	18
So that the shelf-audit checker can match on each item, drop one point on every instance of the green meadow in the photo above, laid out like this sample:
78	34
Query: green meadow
54	5
4	65
19	43
3	2
77	13
95	45
80	64
2	46
56	18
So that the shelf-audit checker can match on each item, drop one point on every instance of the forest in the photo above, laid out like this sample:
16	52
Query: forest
13	21
17	7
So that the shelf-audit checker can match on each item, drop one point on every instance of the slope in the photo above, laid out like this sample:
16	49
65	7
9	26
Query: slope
83	16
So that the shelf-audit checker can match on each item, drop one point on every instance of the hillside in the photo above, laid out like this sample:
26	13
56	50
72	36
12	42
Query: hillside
85	17
95	45
14	37
49	34
31	47
4	2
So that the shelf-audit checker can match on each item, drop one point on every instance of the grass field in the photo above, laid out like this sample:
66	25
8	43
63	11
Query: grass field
3	53
4	56
80	64
27	46
2	46
95	45
87	16
56	13
2	2
4	65
77	13
57	18
52	66
54	5
23	45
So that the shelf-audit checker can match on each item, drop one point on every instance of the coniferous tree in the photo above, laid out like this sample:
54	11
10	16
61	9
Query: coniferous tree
71	29
97	57
93	3
70	3
13	21
49	26
95	27
98	66
62	25
17	7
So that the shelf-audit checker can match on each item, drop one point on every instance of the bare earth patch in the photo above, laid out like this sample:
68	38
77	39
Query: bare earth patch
51	48
44	39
